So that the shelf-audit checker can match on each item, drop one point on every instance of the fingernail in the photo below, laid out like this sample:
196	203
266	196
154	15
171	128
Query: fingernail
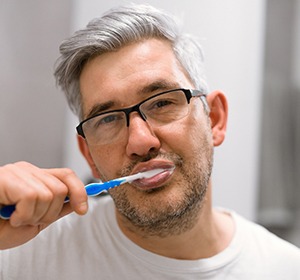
83	207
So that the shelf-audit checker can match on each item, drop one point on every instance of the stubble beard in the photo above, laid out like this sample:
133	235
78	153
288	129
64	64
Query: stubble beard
172	218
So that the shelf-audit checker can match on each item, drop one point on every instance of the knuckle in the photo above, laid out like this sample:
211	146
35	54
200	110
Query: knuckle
23	164
67	172
57	186
7	170
30	194
5	173
42	195
46	196
61	191
69	178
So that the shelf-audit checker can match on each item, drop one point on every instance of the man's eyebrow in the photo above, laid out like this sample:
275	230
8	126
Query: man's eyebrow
99	108
160	85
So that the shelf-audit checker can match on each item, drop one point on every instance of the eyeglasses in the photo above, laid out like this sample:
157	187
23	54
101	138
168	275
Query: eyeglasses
157	110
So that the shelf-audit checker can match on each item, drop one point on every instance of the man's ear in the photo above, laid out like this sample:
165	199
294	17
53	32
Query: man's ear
84	149
218	115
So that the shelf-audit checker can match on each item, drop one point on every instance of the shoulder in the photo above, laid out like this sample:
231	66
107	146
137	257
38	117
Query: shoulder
268	249
260	234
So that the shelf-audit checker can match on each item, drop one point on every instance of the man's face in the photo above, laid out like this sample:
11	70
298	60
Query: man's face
122	79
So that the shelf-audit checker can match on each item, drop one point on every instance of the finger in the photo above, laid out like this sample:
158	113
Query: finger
21	187
39	195
50	205
34	203
76	190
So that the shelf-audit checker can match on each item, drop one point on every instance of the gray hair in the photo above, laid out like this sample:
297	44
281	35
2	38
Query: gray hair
115	29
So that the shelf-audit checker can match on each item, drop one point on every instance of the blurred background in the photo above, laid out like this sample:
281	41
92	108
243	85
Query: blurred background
252	51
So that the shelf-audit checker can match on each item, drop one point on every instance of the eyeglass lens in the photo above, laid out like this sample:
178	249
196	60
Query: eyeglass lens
159	110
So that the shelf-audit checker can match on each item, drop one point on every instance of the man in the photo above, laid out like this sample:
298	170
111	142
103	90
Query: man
137	85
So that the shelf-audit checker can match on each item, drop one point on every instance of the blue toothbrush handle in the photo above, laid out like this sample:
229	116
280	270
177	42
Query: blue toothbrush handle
97	188
7	211
92	189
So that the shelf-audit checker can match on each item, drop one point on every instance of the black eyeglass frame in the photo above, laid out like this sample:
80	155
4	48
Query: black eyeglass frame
189	93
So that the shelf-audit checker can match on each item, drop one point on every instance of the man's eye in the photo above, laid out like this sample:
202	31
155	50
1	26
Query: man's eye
105	120
162	103
108	119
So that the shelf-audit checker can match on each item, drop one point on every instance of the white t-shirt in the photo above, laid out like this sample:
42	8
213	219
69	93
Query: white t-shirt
93	247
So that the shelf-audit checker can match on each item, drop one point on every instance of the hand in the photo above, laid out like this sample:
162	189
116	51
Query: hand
39	196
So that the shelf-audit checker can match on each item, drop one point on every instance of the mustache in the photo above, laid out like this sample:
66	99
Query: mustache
176	159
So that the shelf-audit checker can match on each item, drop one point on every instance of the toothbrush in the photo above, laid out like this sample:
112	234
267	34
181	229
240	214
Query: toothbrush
95	189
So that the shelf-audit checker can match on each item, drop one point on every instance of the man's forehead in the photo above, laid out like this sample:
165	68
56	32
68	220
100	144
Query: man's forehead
135	70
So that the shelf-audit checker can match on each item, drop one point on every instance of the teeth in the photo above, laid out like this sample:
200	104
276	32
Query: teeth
152	173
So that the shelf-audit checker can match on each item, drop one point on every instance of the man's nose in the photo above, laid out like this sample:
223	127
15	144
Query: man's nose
141	137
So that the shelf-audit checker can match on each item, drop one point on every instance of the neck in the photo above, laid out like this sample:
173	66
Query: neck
209	234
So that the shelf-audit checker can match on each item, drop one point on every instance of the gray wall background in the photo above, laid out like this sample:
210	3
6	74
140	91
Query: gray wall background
279	186
32	110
